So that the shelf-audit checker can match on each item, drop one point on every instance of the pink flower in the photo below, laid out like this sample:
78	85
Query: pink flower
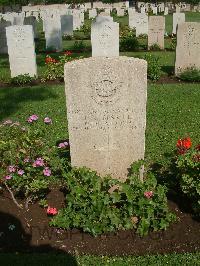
26	160
20	172
8	177
51	211
148	194
63	145
12	169
7	122
47	171
38	162
47	120
32	118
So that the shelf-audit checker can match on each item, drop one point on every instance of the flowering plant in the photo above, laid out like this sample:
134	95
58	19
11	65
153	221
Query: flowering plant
24	155
188	166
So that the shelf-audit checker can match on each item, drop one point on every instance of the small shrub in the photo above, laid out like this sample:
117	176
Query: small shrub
67	37
86	29
154	68
173	43
79	46
24	155
190	74
188	166
98	205
155	47
22	79
129	43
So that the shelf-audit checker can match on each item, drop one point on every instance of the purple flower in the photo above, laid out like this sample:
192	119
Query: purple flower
47	120
38	162
20	172
29	120
47	171
12	169
8	177
7	122
66	143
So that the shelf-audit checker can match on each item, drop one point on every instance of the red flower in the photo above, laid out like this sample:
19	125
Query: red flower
184	143
51	211
68	52
49	60
148	194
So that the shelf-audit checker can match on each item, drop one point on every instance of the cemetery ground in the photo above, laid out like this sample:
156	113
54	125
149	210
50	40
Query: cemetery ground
172	113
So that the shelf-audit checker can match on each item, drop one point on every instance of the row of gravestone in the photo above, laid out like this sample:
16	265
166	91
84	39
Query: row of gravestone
105	42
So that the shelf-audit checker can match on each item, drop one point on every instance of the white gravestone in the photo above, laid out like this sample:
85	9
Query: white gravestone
178	18
156	31
188	47
105	37
106	109
21	50
92	13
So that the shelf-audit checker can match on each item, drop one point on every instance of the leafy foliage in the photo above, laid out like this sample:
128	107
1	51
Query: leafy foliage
154	68
188	166
190	74
99	206
22	79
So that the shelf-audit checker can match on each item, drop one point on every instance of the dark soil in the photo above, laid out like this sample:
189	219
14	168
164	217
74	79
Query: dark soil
31	233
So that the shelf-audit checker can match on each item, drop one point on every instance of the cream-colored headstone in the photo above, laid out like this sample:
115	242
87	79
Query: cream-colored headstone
106	110
188	46
21	50
156	31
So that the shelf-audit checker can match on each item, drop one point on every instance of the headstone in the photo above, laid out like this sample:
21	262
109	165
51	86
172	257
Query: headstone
53	35
33	22
3	40
18	18
78	19
106	108
21	50
120	12
105	37
142	10
178	9
92	13
156	31
178	18
155	10
67	24
140	22
166	12
188	47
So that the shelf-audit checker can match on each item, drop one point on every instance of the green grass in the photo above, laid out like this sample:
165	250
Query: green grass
172	112
50	259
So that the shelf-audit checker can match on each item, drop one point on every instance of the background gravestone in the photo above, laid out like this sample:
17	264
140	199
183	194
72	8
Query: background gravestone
33	22
178	18
156	31
53	36
188	46
105	37
21	50
106	108
92	13
67	24
3	40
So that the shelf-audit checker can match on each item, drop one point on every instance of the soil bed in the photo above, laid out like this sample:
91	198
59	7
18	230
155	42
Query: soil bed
28	231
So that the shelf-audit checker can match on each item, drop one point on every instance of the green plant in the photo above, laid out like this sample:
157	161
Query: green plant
67	37
154	68
99	205
129	43
188	166
190	74
55	68
86	29
22	79
79	46
155	47
173	43
25	161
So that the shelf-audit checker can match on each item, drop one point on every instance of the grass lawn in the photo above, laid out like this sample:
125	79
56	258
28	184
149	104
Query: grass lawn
187	259
172	112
